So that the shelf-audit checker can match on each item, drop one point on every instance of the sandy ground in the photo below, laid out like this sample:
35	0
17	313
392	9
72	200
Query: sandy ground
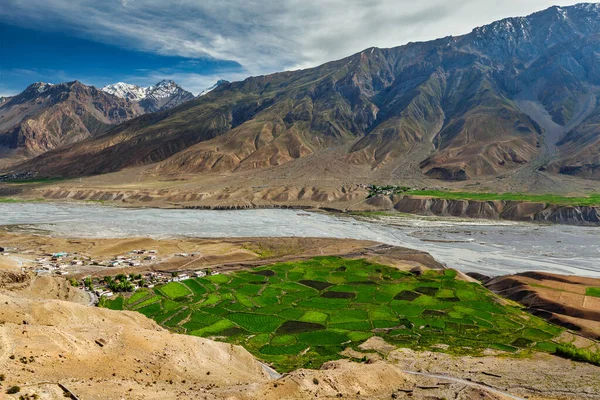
218	254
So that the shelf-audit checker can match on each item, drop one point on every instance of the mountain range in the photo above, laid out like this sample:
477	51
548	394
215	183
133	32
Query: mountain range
518	96
46	116
162	96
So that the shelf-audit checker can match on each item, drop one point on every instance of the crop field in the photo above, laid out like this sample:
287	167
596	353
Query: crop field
591	200
175	290
593	291
301	314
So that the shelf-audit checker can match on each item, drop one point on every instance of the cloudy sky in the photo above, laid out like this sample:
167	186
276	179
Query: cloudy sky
196	42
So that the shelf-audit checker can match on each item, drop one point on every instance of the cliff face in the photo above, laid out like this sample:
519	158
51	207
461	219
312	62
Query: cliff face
510	210
339	199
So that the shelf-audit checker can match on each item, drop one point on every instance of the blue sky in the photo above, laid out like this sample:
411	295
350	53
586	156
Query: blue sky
197	42
32	55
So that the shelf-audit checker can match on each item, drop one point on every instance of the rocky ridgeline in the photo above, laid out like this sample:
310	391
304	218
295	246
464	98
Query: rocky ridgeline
337	200
509	210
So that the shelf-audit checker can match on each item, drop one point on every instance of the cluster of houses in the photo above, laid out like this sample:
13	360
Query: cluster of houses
151	279
195	274
59	262
135	258
62	263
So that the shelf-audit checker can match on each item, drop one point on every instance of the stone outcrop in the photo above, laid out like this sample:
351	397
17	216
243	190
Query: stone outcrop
509	210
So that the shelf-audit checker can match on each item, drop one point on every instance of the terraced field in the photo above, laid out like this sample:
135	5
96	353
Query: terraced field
301	314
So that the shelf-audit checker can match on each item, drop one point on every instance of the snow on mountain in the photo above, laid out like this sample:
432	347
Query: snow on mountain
126	91
165	94
44	86
164	89
213	87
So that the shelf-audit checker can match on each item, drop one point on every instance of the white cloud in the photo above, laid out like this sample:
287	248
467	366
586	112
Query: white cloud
263	36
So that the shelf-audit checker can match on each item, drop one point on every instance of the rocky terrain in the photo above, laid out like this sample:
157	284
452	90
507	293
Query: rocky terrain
516	99
510	210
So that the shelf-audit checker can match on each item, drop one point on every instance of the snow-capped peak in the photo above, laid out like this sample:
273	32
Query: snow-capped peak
126	91
162	90
213	87
40	87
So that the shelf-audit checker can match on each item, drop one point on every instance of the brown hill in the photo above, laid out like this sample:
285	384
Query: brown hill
560	299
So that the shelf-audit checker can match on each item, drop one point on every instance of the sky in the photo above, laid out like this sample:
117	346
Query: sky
197	42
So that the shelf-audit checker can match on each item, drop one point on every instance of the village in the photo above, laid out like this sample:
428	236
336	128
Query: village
109	286
71	265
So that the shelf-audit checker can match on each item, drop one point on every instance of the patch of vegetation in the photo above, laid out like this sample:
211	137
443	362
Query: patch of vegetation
175	290
137	296
591	200
573	353
11	200
120	283
114	304
260	250
592	291
374	214
305	313
375	190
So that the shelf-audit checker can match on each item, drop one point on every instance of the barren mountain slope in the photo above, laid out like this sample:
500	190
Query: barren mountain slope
448	105
47	116
580	149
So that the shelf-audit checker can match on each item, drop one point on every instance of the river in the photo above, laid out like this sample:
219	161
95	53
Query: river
488	247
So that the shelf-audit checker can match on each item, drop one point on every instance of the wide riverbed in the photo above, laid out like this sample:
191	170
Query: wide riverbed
488	247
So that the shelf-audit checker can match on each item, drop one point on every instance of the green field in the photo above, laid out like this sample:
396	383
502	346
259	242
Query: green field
175	290
591	200
593	291
11	200
301	314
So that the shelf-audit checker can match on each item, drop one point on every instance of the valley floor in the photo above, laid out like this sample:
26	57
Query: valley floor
49	336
